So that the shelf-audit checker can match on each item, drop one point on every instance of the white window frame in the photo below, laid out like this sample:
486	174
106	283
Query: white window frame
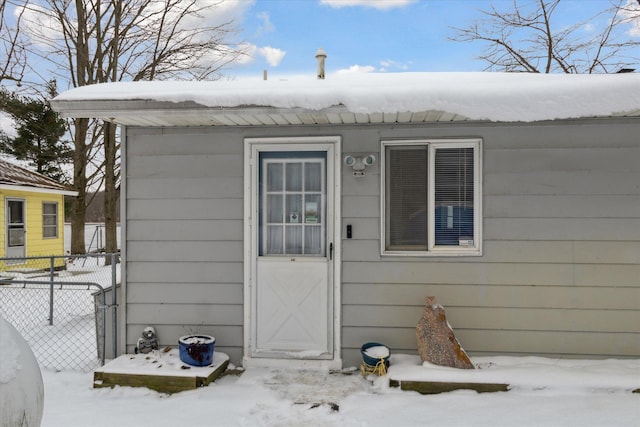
432	249
44	226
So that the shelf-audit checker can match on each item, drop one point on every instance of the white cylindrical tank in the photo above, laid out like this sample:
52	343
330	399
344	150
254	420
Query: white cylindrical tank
21	386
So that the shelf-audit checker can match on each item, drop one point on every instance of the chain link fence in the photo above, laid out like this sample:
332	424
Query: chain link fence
62	307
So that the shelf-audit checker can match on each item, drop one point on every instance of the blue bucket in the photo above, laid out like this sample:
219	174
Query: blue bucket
368	358
196	350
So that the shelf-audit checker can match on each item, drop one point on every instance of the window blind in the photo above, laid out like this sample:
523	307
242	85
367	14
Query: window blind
407	195
454	190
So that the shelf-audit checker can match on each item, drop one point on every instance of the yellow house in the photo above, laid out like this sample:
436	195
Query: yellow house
32	217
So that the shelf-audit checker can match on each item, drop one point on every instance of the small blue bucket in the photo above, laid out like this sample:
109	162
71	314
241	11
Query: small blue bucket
196	350
369	359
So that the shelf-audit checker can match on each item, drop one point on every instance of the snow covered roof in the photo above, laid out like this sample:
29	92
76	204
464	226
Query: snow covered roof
368	98
14	177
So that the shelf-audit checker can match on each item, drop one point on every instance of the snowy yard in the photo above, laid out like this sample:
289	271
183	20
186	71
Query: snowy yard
69	342
544	392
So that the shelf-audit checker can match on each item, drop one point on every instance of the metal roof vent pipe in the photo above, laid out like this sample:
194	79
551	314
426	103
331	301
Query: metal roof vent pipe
320	57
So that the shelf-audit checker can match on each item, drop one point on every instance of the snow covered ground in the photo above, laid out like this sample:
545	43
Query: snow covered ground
70	341
544	392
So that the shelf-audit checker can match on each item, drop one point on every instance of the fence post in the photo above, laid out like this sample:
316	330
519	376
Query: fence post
51	278
114	304
104	309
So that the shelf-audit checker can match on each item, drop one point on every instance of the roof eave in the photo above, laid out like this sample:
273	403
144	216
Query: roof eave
34	189
169	114
164	113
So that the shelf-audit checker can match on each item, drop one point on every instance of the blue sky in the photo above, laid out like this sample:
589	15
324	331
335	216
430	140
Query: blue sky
370	35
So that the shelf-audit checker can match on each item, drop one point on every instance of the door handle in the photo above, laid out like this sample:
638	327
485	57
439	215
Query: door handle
330	251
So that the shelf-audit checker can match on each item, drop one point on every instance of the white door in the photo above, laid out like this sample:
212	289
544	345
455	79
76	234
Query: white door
293	253
16	232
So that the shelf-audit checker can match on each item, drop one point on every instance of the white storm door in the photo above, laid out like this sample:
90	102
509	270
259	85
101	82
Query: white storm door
293	288
16	232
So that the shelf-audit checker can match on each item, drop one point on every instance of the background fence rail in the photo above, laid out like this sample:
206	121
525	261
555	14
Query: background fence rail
61	308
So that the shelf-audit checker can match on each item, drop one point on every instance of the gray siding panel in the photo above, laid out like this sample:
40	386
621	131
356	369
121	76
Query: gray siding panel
561	248
554	344
181	314
492	342
366	249
184	209
562	182
184	272
574	229
512	318
184	188
520	159
361	207
561	240
495	296
188	251
432	271
184	230
563	206
184	236
363	228
607	252
185	166
186	293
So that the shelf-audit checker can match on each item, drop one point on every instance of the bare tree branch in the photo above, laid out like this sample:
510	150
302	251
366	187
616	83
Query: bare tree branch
527	38
97	41
12	45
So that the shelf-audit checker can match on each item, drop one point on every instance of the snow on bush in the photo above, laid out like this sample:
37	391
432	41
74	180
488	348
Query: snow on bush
21	387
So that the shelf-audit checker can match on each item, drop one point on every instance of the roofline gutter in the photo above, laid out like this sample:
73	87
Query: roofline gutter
29	189
108	109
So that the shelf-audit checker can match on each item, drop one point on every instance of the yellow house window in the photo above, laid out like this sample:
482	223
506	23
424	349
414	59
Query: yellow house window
49	219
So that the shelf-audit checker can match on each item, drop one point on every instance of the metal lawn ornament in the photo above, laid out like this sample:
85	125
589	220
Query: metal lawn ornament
148	341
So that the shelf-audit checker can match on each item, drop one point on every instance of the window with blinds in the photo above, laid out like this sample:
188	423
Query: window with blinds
431	197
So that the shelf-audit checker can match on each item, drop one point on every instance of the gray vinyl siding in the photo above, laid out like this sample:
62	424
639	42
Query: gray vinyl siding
560	270
184	236
559	273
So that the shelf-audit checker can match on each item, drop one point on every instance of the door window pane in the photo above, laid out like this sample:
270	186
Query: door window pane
294	208
313	176
16	236
313	209
294	176
274	208
294	240
292	193
274	241
313	240
274	177
16	212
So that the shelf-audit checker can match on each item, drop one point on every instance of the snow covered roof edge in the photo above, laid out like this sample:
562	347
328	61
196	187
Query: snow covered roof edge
499	97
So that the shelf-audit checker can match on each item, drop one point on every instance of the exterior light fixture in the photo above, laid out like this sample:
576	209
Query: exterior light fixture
359	164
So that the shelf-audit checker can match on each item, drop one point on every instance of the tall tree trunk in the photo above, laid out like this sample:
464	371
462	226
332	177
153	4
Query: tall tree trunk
79	205
81	126
110	190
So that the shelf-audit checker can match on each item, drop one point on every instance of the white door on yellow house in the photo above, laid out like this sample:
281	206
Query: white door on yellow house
16	229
